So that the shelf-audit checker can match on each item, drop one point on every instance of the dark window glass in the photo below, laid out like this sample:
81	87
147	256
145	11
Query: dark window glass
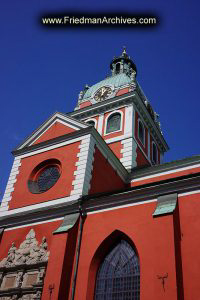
48	178
92	123
154	153
117	68
141	132
113	123
118	277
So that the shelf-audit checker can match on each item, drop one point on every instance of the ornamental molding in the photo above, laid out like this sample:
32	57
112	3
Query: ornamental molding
22	271
29	252
135	97
139	194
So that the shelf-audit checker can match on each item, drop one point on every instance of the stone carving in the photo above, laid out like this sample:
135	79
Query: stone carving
24	267
14	297
41	275
19	279
29	252
29	296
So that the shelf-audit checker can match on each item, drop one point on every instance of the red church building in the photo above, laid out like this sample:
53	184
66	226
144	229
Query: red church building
91	212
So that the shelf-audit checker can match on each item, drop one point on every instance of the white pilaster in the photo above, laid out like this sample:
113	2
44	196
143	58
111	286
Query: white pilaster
128	123
83	173
100	124
129	153
10	185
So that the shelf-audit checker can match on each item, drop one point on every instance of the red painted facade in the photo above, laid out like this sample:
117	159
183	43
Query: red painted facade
54	131
122	91
104	177
85	104
67	155
116	147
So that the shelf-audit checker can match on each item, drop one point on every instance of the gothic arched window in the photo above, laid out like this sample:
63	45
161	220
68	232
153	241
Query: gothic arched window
141	132
119	275
113	123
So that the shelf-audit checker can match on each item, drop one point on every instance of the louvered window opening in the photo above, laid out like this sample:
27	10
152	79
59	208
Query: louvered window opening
114	122
118	277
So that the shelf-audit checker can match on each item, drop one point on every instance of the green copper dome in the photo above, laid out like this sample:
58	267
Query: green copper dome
116	81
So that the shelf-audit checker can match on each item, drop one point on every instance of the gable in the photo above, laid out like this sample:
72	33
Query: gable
57	125
57	129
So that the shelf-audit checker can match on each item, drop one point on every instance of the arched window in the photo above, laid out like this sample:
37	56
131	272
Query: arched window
92	123
154	153
141	132
113	123
119	275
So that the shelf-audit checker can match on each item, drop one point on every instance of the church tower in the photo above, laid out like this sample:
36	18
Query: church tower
123	116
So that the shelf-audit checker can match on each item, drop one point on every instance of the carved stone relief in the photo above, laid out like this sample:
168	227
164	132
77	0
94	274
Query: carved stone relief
22	271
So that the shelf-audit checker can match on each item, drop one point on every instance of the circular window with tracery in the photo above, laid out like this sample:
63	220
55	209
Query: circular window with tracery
44	176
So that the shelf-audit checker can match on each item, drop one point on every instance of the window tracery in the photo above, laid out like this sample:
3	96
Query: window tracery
119	275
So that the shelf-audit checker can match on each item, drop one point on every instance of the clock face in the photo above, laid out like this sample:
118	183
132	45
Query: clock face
103	93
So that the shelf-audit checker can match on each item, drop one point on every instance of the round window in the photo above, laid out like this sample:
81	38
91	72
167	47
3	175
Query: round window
44	176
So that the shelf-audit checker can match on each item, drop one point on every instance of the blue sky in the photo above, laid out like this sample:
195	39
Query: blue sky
43	70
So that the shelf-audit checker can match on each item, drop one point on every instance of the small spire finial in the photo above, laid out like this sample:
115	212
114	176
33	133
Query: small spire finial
124	50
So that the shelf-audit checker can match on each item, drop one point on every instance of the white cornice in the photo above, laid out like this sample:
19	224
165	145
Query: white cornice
114	103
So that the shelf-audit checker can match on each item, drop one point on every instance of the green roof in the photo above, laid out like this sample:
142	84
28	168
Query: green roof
116	81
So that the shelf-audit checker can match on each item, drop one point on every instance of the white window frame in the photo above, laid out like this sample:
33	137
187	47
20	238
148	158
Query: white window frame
144	136
155	162
106	121
93	120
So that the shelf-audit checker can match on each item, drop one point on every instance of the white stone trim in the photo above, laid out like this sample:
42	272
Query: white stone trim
47	148
57	117
189	193
89	108
33	224
100	124
122	206
117	138
55	121
106	121
41	205
93	120
10	185
129	153
128	123
166	173
83	173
